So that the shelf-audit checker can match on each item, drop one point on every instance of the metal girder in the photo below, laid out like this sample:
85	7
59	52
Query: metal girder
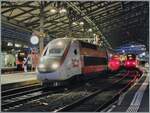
119	14
52	20
96	10
53	25
14	23
123	16
37	15
126	26
15	7
85	8
88	20
35	22
102	12
60	27
56	22
21	13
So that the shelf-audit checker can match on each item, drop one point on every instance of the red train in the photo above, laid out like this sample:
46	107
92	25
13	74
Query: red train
114	63
131	61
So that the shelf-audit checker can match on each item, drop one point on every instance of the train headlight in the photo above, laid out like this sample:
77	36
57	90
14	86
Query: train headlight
55	65
41	66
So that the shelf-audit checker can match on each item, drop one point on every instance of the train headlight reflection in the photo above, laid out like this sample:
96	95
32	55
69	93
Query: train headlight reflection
41	66
55	65
59	43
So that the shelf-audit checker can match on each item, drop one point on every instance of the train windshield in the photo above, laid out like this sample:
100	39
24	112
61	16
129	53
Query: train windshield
56	47
131	57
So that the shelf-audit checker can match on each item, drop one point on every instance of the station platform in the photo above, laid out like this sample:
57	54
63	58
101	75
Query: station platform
17	77
136	99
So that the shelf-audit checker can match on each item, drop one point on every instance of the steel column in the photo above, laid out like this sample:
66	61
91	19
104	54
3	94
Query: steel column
41	43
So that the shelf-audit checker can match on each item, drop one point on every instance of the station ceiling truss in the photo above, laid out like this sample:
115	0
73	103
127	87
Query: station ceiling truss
116	22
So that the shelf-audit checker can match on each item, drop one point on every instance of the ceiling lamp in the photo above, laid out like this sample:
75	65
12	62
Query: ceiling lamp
94	34
123	51
17	45
25	46
74	23
53	10
81	23
9	44
90	30
62	10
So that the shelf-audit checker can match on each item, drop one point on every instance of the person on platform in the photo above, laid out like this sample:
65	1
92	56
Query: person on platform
35	59
18	62
25	63
29	63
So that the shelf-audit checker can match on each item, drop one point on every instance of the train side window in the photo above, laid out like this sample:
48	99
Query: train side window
88	45
75	52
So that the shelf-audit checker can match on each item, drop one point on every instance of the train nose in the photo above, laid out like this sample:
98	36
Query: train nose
48	65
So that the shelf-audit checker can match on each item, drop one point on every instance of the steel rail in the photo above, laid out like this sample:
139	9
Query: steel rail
21	93
116	96
11	104
80	101
14	90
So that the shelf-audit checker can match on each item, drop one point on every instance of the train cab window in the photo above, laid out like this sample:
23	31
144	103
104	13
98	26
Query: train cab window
55	50
57	47
75	52
88	45
131	57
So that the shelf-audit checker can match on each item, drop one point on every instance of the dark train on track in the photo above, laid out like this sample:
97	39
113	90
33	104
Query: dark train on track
64	59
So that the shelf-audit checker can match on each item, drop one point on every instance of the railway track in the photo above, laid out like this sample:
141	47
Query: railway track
27	95
85	103
10	103
20	91
11	86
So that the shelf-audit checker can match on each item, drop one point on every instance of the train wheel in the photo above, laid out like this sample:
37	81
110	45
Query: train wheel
46	85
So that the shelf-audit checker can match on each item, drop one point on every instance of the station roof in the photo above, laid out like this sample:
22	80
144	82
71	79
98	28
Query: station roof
119	22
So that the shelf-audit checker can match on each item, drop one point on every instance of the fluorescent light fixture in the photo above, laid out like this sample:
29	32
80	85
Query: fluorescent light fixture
34	40
17	45
9	44
81	23
94	34
53	10
25	46
59	43
74	23
63	10
82	29
143	54
55	65
90	30
143	48
123	51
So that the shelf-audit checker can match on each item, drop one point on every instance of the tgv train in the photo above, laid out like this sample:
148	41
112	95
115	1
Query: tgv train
64	58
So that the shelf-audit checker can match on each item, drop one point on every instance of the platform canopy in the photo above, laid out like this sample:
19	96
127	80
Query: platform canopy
116	22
